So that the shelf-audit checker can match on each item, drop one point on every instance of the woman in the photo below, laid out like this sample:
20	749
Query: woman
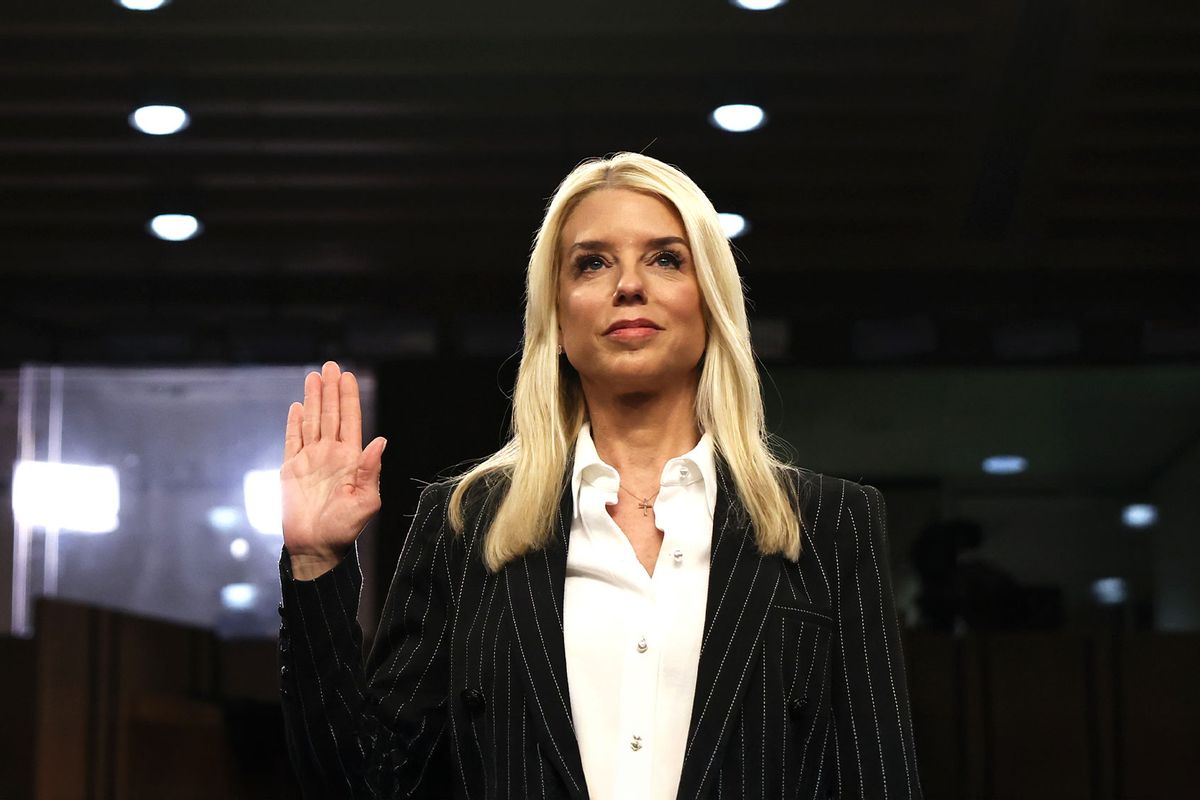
633	597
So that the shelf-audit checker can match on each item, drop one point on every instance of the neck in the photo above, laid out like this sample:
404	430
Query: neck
638	433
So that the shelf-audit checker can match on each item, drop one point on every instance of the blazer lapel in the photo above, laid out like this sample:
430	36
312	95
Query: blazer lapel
535	585
741	587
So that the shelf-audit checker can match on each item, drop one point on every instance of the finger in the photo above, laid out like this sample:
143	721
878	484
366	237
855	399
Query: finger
350	429
292	439
310	428
329	400
370	464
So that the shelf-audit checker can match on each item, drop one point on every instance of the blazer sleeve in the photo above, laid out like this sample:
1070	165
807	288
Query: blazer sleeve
876	754
373	729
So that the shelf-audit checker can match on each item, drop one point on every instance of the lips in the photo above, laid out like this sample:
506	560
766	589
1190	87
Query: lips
626	324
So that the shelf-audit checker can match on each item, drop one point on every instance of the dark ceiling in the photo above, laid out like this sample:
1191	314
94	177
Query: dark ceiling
1012	181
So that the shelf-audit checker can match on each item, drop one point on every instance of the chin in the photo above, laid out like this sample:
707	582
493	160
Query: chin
641	376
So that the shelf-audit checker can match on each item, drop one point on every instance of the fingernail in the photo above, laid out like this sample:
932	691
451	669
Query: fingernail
383	447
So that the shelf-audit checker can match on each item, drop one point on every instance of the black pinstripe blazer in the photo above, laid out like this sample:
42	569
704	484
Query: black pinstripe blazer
801	688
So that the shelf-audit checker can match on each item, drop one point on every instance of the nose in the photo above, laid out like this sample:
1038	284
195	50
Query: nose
631	288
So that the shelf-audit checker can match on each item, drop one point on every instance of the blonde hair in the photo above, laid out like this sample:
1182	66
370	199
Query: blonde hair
548	403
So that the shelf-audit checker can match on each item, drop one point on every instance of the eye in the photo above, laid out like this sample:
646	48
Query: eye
668	258
589	262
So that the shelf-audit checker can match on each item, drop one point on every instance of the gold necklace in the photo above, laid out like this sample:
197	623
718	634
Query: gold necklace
643	502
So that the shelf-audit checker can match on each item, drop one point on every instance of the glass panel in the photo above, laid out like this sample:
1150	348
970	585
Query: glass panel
154	491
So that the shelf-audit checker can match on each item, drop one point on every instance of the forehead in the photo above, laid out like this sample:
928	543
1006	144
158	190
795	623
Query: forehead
622	214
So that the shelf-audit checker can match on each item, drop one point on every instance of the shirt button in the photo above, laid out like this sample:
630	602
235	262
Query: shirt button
635	743
684	472
677	555
642	646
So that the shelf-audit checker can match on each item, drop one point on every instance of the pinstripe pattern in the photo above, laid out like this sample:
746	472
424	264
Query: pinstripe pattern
801	686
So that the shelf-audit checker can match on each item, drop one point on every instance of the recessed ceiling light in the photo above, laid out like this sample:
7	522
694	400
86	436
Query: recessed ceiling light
175	227
142	5
1004	465
758	5
1139	515
159	120
738	117
734	225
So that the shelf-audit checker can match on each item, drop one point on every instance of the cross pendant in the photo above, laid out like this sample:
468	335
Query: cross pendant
644	504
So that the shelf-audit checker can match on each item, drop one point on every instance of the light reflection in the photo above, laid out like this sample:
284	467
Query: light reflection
1005	465
1139	515
1110	591
224	518
239	548
239	596
264	501
68	497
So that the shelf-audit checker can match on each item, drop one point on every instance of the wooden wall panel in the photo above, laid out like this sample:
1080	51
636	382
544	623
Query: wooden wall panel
1160	711
65	754
122	707
18	677
937	715
249	670
160	660
128	707
177	748
973	699
1038	715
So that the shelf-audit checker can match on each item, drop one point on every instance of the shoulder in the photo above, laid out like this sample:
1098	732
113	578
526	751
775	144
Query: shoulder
434	532
477	493
458	510
833	505
430	519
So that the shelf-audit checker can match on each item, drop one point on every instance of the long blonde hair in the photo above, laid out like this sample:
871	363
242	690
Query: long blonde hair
548	403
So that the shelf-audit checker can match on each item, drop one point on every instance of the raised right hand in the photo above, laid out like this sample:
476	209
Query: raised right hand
330	483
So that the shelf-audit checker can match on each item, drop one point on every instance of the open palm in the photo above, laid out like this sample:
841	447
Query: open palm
330	483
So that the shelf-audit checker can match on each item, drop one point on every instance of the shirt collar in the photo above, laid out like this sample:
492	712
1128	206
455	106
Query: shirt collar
698	464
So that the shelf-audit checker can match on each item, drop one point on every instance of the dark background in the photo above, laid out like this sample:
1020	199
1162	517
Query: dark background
371	171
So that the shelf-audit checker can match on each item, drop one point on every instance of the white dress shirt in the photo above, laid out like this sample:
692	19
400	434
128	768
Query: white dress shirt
633	640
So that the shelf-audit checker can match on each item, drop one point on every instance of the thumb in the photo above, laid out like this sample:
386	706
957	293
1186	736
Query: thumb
370	464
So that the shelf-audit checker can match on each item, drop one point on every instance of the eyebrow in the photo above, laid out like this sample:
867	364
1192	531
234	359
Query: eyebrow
600	244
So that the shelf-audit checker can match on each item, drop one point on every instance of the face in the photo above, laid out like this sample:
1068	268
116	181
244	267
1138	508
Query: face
629	311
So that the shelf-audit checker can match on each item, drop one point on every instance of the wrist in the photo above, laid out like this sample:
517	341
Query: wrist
309	565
